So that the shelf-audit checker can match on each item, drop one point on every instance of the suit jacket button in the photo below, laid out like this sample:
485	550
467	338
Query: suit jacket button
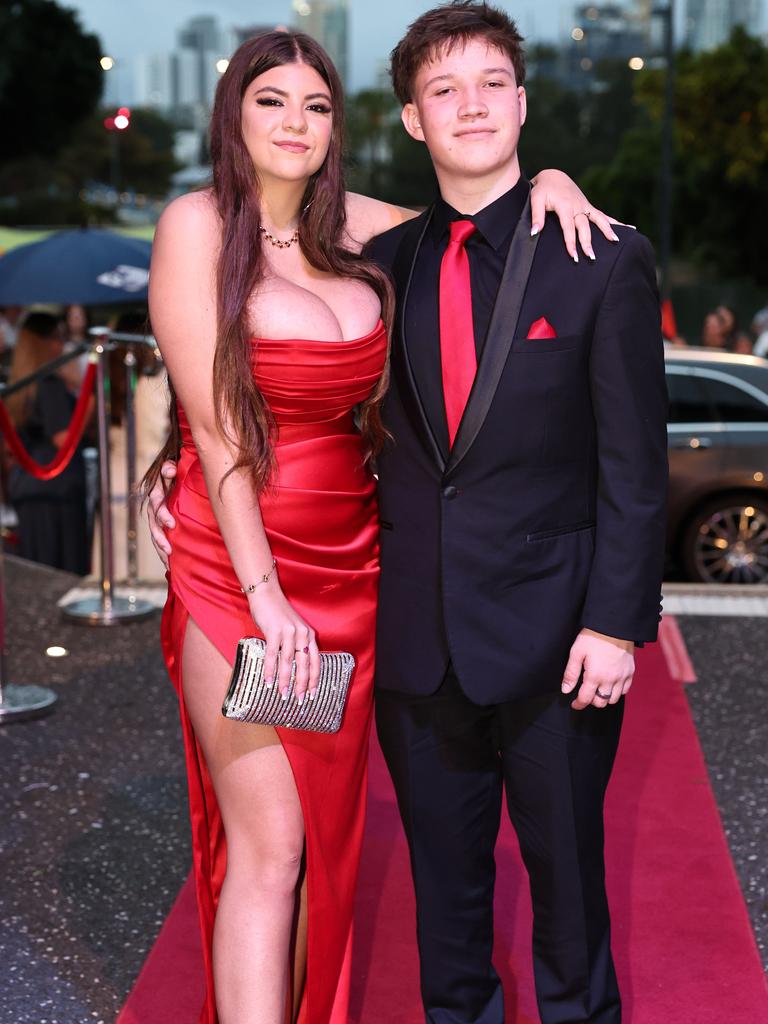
450	492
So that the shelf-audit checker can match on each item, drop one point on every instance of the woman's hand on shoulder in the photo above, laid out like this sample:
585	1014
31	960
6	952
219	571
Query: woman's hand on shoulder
554	191
368	217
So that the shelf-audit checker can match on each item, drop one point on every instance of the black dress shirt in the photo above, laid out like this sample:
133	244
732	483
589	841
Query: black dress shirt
487	251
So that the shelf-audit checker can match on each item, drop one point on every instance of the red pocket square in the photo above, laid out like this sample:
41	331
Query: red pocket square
541	328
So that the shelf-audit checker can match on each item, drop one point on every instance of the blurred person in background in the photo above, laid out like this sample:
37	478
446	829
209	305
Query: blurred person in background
152	425
75	323
9	329
721	330
759	328
51	513
735	339
9	325
712	332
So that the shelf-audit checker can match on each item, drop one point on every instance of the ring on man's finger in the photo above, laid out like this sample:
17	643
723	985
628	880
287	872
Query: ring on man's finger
603	696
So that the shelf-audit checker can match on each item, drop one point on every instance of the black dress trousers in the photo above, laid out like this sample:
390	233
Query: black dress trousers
451	760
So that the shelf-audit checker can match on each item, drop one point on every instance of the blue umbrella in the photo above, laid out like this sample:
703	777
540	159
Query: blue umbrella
89	267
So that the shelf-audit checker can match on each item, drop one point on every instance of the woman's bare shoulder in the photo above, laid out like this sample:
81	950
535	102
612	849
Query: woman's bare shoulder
192	212
368	217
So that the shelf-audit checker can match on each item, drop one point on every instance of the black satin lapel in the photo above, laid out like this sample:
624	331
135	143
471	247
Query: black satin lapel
402	272
501	331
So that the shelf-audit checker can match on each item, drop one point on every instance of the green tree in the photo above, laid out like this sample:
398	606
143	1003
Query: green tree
40	191
50	77
577	130
146	160
412	180
721	158
370	114
385	162
552	135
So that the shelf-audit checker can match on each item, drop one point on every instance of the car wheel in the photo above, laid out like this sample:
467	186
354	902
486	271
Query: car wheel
727	541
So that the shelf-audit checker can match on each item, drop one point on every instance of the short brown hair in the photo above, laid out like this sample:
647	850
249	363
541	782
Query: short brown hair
453	24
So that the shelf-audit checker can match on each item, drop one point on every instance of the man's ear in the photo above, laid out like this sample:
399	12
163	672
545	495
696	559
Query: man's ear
412	122
522	99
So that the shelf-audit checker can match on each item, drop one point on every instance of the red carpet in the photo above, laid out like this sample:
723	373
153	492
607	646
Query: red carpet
684	949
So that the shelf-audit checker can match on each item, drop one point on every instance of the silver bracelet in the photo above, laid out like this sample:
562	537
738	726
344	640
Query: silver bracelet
264	579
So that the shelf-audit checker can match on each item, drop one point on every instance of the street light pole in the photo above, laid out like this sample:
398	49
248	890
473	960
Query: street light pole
114	161
667	131
115	126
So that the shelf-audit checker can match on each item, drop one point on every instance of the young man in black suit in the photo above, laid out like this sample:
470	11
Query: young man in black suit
522	532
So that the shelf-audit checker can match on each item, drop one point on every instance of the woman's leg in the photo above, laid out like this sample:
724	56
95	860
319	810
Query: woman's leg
264	827
300	948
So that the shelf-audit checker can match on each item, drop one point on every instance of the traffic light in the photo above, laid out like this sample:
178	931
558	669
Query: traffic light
120	121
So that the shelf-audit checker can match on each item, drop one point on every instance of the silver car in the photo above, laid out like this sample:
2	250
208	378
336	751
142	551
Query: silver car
718	461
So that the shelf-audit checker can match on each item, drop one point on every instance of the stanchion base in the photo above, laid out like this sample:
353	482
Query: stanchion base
90	611
25	702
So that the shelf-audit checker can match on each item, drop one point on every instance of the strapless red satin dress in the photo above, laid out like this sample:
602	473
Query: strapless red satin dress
322	524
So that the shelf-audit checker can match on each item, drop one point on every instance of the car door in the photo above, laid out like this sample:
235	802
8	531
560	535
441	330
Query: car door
743	408
696	441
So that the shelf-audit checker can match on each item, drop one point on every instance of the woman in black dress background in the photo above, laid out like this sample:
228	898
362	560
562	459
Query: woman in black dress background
52	513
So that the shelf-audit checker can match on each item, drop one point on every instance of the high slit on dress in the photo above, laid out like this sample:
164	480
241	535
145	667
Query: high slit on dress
321	519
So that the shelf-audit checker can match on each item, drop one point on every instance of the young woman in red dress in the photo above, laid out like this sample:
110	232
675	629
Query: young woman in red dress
273	328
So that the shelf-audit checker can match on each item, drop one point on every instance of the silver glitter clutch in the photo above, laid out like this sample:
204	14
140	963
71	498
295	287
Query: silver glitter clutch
249	699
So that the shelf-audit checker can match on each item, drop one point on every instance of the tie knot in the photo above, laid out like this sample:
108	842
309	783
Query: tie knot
461	230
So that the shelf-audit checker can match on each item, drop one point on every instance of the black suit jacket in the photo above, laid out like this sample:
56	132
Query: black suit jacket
548	514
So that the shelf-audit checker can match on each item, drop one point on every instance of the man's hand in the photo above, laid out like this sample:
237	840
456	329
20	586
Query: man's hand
158	516
608	664
555	191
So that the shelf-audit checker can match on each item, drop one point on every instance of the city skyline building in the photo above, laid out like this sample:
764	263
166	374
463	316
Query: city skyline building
601	32
709	23
180	82
327	21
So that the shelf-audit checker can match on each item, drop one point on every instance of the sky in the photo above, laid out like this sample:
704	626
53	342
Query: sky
149	26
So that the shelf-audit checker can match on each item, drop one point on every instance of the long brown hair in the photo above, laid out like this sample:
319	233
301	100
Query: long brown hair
242	413
39	342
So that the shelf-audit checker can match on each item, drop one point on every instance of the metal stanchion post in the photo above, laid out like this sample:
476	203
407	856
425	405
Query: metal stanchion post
108	609
18	702
132	556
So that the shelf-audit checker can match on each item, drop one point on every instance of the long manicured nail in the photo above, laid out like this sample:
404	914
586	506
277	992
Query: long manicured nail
535	230
284	693
590	253
575	257
313	694
614	237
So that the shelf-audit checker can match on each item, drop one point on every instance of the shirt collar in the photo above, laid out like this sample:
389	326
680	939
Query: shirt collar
495	222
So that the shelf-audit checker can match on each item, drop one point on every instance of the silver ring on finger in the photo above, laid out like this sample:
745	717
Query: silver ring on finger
603	696
582	213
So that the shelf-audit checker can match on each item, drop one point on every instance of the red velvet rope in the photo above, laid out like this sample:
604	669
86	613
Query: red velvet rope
74	432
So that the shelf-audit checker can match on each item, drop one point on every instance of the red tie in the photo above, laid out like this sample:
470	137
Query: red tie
458	356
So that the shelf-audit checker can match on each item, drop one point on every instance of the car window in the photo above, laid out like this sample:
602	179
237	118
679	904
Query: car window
733	404
688	401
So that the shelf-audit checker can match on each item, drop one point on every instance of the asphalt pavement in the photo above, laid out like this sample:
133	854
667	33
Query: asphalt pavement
95	837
